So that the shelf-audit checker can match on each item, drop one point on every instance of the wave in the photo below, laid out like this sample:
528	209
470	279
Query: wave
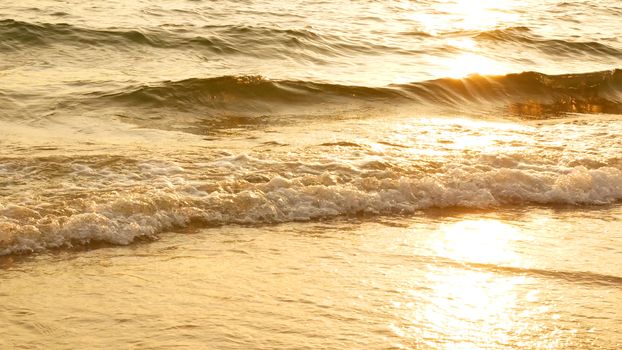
16	34
554	47
573	277
262	41
244	93
166	196
529	94
254	41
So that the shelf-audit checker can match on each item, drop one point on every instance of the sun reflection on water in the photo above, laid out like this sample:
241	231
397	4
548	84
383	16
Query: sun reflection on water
465	15
478	241
480	15
459	19
443	136
475	306
470	308
466	64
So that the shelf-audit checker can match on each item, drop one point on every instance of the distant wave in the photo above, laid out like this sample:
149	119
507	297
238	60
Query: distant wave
529	94
555	47
254	41
16	34
262	41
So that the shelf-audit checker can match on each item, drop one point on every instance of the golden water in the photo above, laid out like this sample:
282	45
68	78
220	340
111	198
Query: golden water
270	175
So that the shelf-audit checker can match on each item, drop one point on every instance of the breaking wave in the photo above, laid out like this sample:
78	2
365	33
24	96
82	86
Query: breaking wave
173	198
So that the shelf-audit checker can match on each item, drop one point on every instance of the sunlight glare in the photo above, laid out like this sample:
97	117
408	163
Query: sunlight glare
471	306
452	16
478	241
466	64
480	15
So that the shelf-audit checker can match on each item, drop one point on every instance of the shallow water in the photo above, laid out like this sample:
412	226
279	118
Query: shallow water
524	278
377	174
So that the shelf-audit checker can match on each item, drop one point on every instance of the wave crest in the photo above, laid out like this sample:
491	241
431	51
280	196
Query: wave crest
530	94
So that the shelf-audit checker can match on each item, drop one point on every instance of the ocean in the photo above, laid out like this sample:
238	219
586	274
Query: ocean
356	174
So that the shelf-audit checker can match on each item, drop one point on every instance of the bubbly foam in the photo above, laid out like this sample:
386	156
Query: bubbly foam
388	166
119	217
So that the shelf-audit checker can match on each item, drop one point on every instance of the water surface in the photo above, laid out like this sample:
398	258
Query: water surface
355	174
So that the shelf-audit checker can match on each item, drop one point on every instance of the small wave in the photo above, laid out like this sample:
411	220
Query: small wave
16	34
237	96
554	47
254	41
580	277
529	94
574	277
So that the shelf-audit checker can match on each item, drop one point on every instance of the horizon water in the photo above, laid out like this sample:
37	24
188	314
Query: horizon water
438	174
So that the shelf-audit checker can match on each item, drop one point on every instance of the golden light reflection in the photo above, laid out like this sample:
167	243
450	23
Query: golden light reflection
481	14
478	241
467	64
465	15
463	43
471	308
439	136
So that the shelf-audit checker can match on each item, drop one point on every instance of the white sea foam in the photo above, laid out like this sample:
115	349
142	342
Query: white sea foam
401	167
120	217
